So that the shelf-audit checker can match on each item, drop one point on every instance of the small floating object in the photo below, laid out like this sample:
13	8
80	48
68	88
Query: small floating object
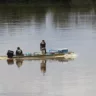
64	50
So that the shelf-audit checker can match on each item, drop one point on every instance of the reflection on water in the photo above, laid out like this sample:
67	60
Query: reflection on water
10	62
18	20
19	63
43	66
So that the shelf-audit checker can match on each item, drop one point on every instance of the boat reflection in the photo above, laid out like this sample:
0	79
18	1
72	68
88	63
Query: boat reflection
19	63
10	61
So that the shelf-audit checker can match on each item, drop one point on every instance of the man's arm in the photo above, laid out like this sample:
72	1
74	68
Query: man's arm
40	46
16	52
45	45
22	52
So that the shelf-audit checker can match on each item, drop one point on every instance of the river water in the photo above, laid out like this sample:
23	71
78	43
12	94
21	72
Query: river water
72	28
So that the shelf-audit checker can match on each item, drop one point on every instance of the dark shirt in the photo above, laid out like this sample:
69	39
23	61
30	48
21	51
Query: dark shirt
42	45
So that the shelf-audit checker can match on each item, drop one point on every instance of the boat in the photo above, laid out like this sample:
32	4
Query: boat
60	54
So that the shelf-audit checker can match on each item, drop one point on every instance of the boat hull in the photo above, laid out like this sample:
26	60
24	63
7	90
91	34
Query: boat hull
43	57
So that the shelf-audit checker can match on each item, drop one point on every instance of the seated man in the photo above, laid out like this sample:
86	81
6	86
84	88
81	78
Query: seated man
19	52
10	54
43	47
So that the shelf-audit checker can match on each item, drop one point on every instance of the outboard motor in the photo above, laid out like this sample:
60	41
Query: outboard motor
10	54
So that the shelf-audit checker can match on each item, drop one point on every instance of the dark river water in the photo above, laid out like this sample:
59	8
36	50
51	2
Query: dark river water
72	28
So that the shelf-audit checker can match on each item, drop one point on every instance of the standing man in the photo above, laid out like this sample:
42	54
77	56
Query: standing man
43	47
